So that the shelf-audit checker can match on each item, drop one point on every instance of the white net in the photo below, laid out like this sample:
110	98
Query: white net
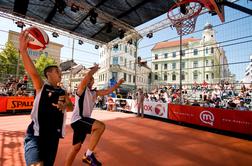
184	15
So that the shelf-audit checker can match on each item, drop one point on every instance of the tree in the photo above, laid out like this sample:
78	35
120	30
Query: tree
9	61
42	62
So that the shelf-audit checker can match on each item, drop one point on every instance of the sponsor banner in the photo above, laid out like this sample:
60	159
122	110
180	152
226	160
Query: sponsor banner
3	104
150	108
202	116
125	104
230	120
155	109
236	121
19	103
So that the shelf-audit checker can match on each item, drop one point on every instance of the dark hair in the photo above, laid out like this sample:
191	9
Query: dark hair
49	69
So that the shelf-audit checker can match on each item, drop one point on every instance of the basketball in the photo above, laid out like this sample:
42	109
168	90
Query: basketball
38	38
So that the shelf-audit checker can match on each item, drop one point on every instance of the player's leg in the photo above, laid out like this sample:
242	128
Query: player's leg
73	152
96	128
142	110
31	147
79	135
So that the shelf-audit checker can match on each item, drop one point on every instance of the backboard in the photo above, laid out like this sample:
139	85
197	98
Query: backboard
215	6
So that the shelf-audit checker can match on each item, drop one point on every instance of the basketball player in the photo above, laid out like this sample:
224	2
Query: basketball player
82	123
48	112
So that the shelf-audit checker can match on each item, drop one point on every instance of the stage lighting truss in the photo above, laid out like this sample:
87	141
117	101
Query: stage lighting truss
20	24
80	42
55	34
93	16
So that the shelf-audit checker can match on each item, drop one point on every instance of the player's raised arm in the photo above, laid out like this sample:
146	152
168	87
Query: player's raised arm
86	79
109	90
28	64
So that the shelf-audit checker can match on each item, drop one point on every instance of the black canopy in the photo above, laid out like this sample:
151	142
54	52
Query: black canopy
114	17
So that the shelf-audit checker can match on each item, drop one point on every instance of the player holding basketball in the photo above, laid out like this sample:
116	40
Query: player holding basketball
48	112
82	123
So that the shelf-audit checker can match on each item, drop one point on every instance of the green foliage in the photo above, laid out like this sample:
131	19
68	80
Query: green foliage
9	60
42	62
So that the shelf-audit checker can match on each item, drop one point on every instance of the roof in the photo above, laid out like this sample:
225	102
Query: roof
169	44
74	16
67	65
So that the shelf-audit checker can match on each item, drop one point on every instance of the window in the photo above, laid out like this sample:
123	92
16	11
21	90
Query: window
212	62
165	55
134	79
195	75
125	76
182	65
115	49
115	61
156	66
125	62
182	75
130	64
195	52
174	54
129	78
125	48
114	74
207	50
183	52
212	50
121	60
173	65
165	77
195	64
156	77
165	66
207	63
156	56
212	75
206	76
173	77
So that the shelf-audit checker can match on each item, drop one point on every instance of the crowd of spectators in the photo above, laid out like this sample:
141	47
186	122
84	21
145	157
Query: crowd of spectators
222	95
15	87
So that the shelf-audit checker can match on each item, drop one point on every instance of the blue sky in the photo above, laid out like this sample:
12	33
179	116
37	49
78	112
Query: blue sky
87	55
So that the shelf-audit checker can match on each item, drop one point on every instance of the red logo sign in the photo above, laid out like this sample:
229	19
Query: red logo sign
207	117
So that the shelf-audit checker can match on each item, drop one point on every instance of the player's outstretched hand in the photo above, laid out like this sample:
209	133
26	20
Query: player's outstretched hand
23	41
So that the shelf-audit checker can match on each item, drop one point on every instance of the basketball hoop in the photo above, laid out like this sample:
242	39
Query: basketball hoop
183	15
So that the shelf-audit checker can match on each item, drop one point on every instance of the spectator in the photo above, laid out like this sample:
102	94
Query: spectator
241	106
140	103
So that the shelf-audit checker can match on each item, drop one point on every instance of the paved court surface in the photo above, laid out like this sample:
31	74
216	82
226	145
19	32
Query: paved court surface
131	141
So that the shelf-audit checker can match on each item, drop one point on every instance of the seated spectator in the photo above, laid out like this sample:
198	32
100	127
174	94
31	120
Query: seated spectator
111	104
195	103
241	106
231	105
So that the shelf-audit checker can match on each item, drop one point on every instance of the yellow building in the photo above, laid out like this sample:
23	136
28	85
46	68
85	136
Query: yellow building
53	49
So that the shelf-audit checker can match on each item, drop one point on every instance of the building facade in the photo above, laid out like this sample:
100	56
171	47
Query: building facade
53	49
248	73
202	60
119	61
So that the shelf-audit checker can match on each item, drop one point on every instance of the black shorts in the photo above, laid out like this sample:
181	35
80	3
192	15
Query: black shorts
81	128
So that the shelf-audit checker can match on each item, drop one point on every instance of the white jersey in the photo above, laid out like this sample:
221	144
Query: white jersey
84	105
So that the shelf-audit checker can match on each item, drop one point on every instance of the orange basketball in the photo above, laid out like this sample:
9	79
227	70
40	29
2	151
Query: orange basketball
39	38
